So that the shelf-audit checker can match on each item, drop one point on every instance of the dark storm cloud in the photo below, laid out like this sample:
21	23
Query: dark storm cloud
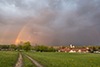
53	22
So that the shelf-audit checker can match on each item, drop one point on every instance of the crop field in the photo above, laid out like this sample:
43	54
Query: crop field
8	58
51	59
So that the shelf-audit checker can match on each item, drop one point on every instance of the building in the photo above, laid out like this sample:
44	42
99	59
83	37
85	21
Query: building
73	50
72	46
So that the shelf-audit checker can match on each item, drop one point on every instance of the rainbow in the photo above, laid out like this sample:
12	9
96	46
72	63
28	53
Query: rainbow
3	38
17	39
4	35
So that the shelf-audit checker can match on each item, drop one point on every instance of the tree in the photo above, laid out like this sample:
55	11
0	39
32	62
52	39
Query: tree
26	46
89	50
0	47
19	47
56	49
63	47
13	46
46	49
51	49
36	47
94	49
98	48
5	46
42	48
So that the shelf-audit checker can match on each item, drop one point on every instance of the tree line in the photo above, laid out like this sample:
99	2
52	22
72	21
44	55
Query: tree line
41	48
27	46
22	46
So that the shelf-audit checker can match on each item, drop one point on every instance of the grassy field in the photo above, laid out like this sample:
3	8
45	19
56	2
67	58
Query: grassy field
50	59
27	62
8	58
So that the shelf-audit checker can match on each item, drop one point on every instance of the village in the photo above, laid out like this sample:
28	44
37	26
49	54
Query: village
72	49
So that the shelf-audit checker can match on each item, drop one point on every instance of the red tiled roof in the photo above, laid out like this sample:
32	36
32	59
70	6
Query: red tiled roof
63	50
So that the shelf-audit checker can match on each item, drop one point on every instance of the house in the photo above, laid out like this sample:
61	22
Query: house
87	47
10	49
73	50
79	51
84	50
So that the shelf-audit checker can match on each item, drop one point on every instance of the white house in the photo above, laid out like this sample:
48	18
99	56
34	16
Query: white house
72	51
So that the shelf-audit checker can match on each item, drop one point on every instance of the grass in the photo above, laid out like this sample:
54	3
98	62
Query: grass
50	59
27	62
8	58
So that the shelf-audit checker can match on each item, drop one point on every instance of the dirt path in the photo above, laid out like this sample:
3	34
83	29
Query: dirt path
34	61
20	61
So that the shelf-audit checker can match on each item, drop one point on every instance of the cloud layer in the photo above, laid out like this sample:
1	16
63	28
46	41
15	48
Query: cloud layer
50	22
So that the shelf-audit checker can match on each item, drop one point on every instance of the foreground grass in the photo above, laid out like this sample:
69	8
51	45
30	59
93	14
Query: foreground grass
27	62
50	59
8	58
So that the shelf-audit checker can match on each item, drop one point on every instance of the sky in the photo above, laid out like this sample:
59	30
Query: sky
50	22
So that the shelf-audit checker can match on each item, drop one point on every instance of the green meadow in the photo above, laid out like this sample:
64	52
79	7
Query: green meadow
8	58
61	59
51	59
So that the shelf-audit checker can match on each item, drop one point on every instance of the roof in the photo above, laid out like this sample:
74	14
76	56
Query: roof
63	50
